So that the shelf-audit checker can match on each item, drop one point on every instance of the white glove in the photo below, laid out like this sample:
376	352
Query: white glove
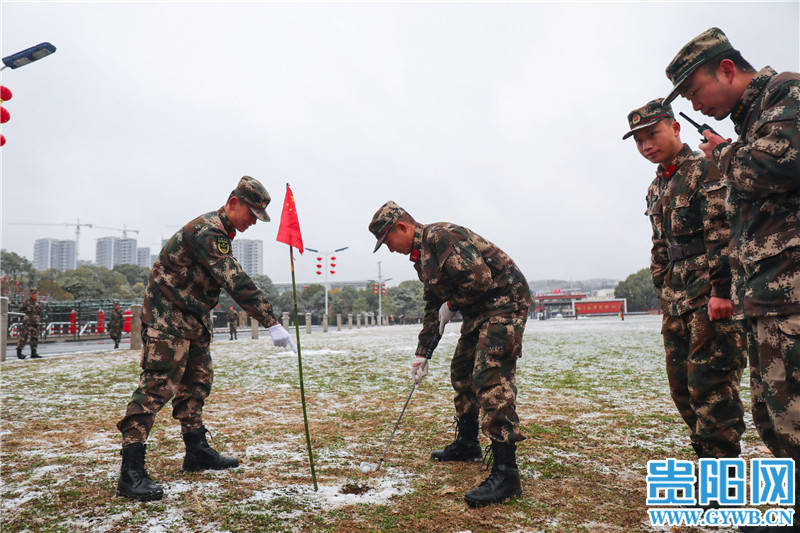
419	369
445	316
280	337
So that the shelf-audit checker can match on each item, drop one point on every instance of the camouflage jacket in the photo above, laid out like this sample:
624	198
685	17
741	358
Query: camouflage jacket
686	206
763	171
32	311
470	273
186	279
233	318
115	321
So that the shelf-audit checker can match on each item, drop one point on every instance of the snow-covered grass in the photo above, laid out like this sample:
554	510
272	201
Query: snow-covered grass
592	400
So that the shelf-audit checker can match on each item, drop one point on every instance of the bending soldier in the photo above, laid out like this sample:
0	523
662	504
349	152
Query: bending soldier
462	271
184	285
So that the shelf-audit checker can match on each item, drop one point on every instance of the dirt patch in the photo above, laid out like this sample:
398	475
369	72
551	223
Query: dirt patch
354	488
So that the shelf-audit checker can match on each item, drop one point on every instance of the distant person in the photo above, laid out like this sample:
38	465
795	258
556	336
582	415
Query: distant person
31	325
115	324
704	347
184	286
233	322
462	271
762	169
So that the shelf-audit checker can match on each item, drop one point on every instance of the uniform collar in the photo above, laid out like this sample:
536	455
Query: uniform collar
226	223
416	245
666	173
751	92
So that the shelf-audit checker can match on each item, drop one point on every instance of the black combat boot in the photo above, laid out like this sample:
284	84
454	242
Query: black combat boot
35	355
502	483
201	456
134	482
116	344
465	447
19	353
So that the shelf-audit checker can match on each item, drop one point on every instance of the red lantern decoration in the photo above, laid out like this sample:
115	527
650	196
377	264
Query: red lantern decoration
333	258
5	93
319	272
2	140
319	259
333	272
4	115
333	264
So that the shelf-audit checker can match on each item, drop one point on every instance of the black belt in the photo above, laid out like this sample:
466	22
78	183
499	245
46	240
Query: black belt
682	251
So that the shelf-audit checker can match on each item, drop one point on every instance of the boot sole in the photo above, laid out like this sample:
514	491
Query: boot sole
201	468
142	498
484	503
467	460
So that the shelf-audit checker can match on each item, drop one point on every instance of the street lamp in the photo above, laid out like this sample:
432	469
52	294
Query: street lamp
328	264
34	53
29	55
380	290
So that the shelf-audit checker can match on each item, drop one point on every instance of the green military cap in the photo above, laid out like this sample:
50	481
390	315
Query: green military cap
252	193
647	115
705	46
383	220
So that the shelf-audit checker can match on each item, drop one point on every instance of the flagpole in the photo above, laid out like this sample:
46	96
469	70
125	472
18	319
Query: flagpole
300	367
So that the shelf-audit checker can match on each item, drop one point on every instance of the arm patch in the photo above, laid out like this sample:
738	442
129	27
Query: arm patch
223	245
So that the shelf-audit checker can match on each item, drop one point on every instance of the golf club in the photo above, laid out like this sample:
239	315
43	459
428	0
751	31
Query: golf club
366	467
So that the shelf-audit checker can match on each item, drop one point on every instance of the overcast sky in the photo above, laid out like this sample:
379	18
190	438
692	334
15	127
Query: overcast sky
504	118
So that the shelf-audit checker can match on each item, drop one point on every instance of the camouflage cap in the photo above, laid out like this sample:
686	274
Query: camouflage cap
705	46
383	220
252	193
647	115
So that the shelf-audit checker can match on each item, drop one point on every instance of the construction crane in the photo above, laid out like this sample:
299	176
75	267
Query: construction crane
124	229
77	225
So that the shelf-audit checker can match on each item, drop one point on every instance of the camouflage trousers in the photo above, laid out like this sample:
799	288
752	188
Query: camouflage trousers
115	334
483	374
172	367
773	345
704	362
232	328
28	334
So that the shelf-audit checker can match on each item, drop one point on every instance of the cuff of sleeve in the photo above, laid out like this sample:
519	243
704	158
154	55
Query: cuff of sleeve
721	290
451	306
422	351
719	154
271	321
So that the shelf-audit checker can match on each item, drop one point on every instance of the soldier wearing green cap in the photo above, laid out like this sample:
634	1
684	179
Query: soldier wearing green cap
704	347
762	169
184	286
462	271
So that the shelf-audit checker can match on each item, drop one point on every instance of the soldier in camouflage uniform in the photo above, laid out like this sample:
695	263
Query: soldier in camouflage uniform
115	324
705	348
762	168
233	321
184	285
31	325
462	271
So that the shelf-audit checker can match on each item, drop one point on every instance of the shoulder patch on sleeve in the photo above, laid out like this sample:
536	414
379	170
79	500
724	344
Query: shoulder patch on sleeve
223	245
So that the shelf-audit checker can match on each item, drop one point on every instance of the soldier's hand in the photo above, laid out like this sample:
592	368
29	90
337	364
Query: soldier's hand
419	369
445	316
280	337
719	308
712	141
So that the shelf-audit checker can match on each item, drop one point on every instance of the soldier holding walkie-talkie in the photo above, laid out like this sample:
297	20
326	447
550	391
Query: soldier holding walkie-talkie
762	171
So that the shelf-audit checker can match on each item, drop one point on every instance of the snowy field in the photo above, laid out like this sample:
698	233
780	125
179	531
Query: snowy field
593	401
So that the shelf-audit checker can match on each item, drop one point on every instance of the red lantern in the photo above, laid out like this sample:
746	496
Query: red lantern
5	93
319	272
319	265
333	264
4	115
333	258
2	140
333	271
319	259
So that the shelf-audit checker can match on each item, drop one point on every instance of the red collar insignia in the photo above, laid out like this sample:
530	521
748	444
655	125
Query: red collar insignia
232	234
414	256
669	171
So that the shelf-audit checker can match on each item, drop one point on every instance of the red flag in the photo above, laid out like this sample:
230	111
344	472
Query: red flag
289	230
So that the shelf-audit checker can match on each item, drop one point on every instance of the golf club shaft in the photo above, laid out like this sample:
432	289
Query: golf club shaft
436	338
397	425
